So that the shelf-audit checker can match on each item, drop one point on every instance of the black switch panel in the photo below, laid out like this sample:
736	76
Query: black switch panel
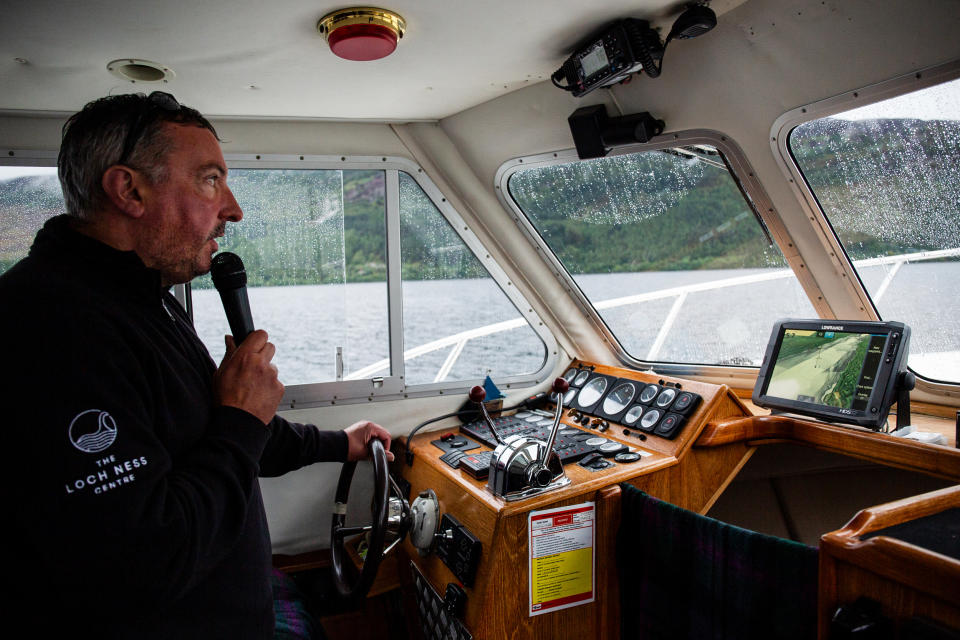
461	553
477	464
455	600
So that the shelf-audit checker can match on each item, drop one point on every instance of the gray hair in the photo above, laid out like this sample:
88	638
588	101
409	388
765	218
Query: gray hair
99	136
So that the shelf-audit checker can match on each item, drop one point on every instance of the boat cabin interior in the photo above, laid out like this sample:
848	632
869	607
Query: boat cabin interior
657	299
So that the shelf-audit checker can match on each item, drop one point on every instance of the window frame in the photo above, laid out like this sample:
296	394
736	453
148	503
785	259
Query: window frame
927	388
756	199
392	386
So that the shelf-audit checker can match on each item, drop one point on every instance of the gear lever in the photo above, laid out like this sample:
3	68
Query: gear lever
478	394
541	475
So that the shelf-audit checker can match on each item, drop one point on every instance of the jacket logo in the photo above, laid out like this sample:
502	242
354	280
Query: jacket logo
92	431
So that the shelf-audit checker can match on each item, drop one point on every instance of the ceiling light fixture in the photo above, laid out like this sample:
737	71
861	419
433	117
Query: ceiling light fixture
140	71
362	33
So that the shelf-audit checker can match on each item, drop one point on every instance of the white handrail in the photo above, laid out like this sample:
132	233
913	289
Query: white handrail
458	340
448	341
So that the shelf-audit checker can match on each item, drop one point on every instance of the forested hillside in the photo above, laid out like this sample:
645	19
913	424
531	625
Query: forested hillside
894	189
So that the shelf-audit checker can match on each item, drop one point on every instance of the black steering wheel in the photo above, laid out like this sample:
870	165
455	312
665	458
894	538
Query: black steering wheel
350	582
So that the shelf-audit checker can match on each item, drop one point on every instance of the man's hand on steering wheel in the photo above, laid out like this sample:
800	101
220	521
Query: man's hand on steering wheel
359	435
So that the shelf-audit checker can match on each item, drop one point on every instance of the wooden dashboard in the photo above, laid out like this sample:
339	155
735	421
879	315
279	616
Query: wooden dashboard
690	470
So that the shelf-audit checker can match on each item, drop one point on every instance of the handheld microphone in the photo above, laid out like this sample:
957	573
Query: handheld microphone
230	279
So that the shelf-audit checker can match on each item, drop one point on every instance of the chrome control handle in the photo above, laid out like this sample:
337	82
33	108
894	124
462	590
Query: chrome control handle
560	387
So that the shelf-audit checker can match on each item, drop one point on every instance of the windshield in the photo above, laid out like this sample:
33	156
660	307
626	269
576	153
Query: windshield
667	250
887	177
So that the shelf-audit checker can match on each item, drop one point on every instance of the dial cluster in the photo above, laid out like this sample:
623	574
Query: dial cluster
660	409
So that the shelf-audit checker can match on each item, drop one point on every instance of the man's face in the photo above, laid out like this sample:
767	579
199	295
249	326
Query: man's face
187	211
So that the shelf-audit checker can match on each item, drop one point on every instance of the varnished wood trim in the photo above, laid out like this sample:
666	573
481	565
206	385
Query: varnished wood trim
891	513
906	579
608	607
901	562
935	460
302	561
934	410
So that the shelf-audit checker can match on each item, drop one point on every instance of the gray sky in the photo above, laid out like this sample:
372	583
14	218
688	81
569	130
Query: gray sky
941	102
8	173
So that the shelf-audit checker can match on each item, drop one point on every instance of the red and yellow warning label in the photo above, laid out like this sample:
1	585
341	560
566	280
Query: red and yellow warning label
562	559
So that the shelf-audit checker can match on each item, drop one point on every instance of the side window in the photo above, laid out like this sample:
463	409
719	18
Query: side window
457	322
887	177
28	197
314	246
668	252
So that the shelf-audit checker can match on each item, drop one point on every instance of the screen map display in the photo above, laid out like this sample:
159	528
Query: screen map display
832	368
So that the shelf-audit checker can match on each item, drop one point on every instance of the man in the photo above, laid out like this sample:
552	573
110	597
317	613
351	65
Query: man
133	507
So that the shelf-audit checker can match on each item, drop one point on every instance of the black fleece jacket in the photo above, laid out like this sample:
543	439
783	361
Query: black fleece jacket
132	502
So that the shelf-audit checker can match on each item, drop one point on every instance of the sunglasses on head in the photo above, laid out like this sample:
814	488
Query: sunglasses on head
157	102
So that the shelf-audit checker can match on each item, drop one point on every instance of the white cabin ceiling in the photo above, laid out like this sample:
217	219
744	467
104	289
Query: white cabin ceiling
249	58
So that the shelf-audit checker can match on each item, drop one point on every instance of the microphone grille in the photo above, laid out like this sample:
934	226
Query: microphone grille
227	271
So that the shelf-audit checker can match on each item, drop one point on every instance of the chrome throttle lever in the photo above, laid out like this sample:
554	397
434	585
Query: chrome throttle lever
526	466
541	473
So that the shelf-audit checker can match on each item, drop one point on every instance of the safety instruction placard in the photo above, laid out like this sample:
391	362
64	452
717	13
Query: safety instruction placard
562	560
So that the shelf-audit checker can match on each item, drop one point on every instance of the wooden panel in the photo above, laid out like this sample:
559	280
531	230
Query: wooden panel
497	602
907	580
925	417
700	479
503	613
935	460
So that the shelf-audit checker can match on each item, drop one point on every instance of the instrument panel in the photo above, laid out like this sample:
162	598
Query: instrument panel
661	408
616	425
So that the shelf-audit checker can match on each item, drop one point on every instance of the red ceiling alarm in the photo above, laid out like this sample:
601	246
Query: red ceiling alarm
362	33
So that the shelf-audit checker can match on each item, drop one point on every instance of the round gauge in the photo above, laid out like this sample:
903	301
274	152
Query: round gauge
618	399
633	414
649	393
592	392
627	457
532	418
596	442
522	415
546	422
570	375
569	432
569	396
581	377
666	397
612	448
650	418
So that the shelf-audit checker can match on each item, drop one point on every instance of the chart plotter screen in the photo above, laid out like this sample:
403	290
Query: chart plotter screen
832	368
839	371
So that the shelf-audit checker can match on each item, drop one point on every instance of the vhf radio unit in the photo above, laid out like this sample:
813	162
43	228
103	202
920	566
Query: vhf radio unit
624	47
627	46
